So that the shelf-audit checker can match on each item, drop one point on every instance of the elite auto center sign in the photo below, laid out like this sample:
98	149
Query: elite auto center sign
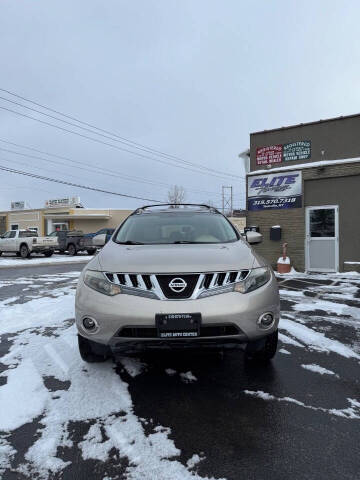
275	191
283	153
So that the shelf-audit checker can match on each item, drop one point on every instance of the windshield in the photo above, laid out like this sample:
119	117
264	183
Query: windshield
189	227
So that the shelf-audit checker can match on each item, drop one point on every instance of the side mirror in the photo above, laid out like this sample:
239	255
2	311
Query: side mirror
254	237
99	240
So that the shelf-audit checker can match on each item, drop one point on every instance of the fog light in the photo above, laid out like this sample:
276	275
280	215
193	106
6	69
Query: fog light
89	324
266	320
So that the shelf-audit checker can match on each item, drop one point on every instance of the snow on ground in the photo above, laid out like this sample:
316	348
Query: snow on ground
13	261
318	369
188	377
43	345
316	340
112	423
283	350
133	366
351	412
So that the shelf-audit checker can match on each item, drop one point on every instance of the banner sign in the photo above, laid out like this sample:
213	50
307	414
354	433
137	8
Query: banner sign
269	155
63	202
297	151
274	191
18	205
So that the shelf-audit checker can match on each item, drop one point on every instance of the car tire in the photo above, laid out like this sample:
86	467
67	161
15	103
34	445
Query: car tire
24	251
72	250
262	350
48	254
91	251
92	352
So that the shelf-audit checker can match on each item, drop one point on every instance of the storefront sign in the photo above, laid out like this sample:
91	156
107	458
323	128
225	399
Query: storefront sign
274	191
269	155
18	205
63	202
297	151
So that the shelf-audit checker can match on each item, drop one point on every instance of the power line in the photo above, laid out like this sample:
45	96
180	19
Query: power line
109	144
91	168
117	138
63	182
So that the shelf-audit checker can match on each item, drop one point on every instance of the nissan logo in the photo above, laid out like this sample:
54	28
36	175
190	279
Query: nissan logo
177	285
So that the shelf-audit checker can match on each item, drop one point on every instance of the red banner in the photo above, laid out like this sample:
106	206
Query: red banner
268	155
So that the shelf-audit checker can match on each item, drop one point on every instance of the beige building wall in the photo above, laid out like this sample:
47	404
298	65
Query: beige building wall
26	219
239	222
89	225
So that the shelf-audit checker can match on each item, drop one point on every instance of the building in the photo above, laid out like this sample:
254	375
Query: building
60	214
303	188
67	214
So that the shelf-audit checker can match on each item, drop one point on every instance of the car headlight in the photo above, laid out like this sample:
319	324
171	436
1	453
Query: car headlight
256	278
97	281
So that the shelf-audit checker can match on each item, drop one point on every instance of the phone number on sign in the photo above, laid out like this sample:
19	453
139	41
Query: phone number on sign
275	201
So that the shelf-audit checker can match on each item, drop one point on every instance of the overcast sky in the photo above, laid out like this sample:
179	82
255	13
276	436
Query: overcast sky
191	78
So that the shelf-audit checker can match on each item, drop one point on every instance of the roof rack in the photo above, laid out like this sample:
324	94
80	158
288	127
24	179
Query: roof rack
180	206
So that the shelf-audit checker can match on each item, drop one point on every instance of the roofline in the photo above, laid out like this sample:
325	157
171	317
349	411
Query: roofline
306	123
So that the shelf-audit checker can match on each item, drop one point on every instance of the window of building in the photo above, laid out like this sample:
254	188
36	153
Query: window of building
14	226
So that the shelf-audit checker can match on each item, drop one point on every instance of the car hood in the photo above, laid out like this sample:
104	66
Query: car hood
177	258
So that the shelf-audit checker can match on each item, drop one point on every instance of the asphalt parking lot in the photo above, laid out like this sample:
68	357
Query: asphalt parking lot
185	416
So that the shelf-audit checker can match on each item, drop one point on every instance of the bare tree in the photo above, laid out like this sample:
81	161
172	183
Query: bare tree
176	195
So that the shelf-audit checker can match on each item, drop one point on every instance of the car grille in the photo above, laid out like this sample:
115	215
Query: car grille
207	330
177	286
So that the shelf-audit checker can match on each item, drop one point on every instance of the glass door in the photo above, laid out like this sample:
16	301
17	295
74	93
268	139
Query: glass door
322	242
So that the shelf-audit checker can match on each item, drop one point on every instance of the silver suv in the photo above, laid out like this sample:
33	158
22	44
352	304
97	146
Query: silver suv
177	276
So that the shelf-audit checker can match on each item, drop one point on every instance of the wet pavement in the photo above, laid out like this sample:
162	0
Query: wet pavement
298	417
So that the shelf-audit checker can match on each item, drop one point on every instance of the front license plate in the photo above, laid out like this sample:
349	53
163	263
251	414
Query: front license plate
178	325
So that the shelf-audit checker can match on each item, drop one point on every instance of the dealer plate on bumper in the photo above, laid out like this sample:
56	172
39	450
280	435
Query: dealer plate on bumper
178	325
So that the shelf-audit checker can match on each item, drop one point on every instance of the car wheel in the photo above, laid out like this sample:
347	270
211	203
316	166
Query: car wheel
92	352
262	350
72	250
91	251
48	254
24	251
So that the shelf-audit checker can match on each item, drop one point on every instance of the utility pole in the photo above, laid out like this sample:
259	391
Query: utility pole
227	200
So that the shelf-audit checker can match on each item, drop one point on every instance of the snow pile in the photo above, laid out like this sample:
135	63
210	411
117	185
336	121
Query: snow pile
284	261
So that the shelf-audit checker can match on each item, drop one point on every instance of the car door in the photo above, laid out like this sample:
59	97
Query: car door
5	242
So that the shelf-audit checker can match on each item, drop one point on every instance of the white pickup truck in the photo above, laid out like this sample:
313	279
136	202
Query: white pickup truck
26	242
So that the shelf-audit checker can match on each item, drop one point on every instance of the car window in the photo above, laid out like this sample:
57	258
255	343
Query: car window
12	234
191	227
24	234
6	235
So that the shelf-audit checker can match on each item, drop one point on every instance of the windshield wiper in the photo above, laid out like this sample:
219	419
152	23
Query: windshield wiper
184	241
131	242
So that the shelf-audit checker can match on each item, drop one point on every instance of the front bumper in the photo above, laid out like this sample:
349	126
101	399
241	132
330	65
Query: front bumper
114	313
